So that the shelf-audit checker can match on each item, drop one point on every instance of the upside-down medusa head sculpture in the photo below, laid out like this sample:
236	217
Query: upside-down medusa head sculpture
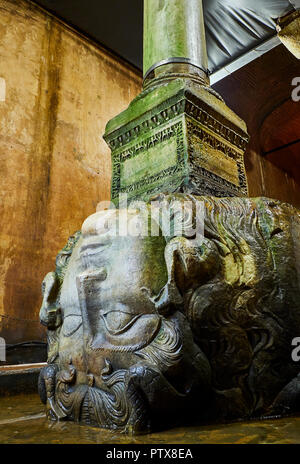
147	331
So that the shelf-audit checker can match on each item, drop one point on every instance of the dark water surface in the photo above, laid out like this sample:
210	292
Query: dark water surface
22	420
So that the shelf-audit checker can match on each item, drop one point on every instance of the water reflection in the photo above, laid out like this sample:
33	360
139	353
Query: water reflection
18	426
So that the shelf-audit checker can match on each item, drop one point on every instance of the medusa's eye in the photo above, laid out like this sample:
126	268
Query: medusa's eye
118	322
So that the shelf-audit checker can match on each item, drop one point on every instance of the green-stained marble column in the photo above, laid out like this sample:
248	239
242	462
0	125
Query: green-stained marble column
174	34
178	135
174	41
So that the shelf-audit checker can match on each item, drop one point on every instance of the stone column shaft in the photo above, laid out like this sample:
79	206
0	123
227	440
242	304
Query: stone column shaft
174	33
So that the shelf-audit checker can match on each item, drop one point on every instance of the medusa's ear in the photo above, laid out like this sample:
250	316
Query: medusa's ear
188	266
50	314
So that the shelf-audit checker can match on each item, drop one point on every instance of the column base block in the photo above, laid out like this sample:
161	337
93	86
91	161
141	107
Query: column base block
178	137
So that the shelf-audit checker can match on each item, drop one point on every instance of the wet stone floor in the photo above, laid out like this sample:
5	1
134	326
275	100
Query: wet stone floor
22	420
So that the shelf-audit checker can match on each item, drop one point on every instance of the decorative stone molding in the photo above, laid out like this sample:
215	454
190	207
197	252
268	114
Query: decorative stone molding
181	144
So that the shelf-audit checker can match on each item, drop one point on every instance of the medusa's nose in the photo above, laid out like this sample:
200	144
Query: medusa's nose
50	314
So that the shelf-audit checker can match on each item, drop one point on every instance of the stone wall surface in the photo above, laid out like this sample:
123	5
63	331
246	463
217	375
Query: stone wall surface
60	91
266	179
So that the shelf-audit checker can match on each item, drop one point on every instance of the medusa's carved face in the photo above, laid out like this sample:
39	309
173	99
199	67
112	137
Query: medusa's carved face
117	287
119	290
163	326
117	278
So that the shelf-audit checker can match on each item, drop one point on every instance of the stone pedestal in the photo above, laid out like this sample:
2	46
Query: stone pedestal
177	137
